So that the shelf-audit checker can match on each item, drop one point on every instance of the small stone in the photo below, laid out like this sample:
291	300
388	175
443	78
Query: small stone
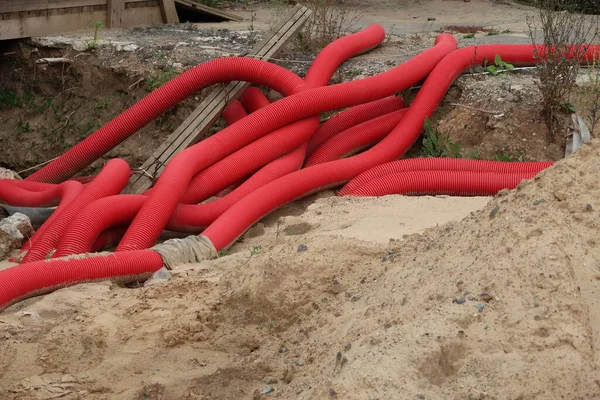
160	276
13	231
529	219
300	363
538	202
332	393
588	208
268	390
302	248
459	300
494	211
486	296
178	68
430	18
131	47
537	317
480	307
560	196
420	396
338	356
348	346
510	97
8	174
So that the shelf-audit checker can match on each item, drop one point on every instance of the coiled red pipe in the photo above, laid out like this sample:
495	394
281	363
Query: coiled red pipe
165	196
439	164
257	154
190	218
354	139
352	117
111	180
436	182
229	226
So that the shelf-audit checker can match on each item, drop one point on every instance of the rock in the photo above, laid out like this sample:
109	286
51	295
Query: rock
131	47
332	393
13	230
494	211
459	300
79	45
510	97
302	248
480	307
560	196
486	296
8	174
268	390
162	275
256	230
178	67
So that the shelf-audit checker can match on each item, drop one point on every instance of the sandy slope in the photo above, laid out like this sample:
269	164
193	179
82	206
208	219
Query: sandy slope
233	327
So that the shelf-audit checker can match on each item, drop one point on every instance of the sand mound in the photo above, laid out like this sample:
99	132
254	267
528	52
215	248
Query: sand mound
501	305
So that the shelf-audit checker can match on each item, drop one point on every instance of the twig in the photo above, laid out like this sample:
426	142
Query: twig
132	85
36	166
475	109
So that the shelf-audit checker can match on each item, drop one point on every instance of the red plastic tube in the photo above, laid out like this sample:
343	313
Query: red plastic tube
168	190
33	279
453	183
111	179
351	117
22	194
191	217
259	203
257	154
234	112
160	100
95	218
440	164
355	139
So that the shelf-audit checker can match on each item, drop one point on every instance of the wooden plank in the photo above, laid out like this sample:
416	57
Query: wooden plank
169	12
34	5
49	24
209	10
202	118
115	9
56	22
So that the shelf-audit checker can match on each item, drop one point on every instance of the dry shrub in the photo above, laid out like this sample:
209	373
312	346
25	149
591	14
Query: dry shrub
330	20
565	33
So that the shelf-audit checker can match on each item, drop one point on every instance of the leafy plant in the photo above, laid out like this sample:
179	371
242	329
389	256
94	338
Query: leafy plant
103	103
93	45
500	67
9	98
438	146
223	253
162	77
469	36
22	127
507	157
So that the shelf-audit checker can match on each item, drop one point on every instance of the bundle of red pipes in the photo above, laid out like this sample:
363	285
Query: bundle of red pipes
269	155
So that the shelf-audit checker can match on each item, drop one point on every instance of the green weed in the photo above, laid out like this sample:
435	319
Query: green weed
438	146
162	77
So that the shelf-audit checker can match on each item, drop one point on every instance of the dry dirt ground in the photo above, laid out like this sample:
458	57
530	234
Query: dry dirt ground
388	298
